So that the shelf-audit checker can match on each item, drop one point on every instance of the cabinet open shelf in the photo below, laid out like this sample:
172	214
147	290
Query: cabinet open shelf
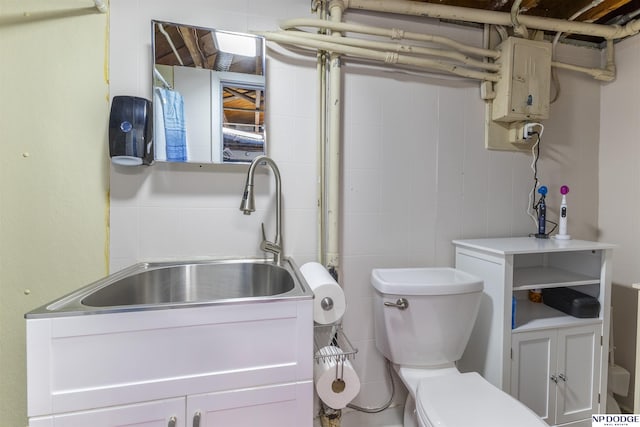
534	316
539	277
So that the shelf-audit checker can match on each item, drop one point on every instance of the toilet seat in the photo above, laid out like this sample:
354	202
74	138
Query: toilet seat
463	400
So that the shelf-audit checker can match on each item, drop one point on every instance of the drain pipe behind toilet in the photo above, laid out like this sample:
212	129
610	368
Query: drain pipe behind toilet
319	7
333	146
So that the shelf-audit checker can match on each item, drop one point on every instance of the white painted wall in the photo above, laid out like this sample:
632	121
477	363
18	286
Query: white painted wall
619	154
416	174
53	168
619	195
185	210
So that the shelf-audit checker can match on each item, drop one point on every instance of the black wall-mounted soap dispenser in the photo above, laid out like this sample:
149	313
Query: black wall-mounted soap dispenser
130	131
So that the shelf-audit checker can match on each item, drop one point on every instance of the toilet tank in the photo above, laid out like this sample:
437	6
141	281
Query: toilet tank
433	329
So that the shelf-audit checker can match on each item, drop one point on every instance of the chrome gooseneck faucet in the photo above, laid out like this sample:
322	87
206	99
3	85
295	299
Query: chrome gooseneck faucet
248	205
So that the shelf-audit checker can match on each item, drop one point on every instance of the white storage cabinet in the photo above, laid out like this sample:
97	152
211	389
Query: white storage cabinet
552	362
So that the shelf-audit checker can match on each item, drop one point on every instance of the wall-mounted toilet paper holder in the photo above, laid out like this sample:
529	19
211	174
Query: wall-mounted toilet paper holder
336	381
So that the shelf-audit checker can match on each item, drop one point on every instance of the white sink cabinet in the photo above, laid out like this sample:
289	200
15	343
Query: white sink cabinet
242	364
552	362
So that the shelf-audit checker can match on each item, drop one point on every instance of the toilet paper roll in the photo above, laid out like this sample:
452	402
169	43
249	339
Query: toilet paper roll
336	381
329	303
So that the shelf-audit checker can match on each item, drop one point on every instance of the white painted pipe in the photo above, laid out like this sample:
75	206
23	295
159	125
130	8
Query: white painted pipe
385	57
321	139
295	38
573	17
518	28
596	73
404	49
392	33
391	55
438	11
336	9
486	88
611	60
101	5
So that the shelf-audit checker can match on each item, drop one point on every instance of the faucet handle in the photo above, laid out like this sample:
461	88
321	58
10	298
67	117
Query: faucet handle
264	236
266	245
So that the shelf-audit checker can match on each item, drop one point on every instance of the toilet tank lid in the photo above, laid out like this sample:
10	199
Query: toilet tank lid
424	281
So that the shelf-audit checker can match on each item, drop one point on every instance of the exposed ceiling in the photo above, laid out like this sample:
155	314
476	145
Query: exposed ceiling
605	12
196	47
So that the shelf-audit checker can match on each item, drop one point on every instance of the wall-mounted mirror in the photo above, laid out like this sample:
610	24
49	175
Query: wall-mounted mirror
208	94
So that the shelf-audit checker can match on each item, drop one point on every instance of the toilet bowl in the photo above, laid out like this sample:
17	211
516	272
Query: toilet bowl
612	404
423	320
617	383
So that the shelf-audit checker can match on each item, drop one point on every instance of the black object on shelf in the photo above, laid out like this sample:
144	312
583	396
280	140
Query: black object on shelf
572	302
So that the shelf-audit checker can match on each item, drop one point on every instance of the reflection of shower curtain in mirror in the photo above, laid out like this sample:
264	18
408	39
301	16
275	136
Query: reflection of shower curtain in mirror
170	126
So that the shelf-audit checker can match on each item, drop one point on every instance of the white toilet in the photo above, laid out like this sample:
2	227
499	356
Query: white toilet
423	320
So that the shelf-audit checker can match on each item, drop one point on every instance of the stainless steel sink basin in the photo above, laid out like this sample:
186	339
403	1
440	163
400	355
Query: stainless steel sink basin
194	282
148	286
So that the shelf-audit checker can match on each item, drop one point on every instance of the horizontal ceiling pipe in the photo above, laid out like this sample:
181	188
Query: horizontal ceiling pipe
405	49
457	13
573	17
298	39
386	57
302	39
392	33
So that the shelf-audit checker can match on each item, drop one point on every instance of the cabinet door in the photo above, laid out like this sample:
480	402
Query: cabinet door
162	413
533	362
578	372
274	405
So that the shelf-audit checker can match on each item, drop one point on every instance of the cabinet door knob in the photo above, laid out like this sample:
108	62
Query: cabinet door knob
562	377
172	422
554	379
196	419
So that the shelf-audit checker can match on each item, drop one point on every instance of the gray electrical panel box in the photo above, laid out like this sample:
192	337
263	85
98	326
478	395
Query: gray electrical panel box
522	93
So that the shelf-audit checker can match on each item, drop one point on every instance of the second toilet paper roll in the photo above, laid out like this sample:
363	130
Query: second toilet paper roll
336	381
326	289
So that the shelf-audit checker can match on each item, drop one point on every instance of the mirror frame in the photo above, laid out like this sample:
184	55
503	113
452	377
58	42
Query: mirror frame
221	93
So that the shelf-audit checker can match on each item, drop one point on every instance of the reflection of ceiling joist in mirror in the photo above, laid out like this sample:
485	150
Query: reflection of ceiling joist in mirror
206	48
219	77
243	105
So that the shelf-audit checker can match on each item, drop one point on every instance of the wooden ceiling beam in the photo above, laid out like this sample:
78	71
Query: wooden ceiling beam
559	9
601	10
529	4
191	42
